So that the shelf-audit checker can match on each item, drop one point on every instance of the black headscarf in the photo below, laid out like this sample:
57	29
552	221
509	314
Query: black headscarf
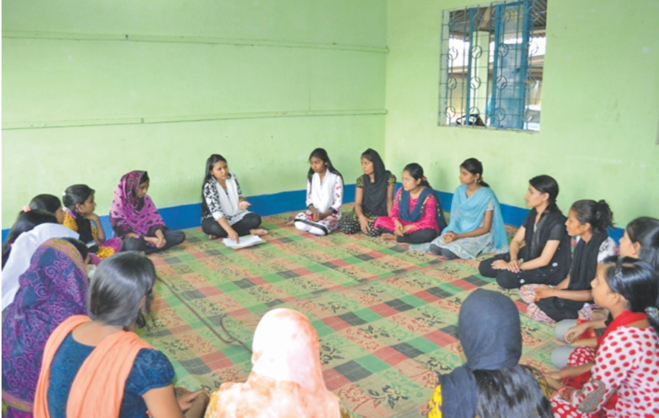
375	194
490	333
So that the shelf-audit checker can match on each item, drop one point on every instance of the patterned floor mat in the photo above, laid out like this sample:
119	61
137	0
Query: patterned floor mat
386	316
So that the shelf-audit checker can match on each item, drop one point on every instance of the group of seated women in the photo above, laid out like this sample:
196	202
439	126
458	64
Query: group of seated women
69	345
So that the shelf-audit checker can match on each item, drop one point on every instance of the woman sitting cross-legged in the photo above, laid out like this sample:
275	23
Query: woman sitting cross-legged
416	216
223	207
135	218
374	195
492	383
98	363
545	257
476	224
589	221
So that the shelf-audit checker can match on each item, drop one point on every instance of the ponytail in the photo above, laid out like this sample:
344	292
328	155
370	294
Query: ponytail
597	214
547	184
475	167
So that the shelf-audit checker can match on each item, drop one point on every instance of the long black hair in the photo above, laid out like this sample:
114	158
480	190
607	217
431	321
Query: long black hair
47	202
208	174
638	282
77	195
512	392
597	214
416	171
321	154
645	232
120	282
547	184
474	166
25	222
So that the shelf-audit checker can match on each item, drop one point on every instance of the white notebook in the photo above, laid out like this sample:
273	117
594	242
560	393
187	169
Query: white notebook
246	241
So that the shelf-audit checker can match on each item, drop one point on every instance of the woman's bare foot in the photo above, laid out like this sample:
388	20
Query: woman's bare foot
258	232
388	237
212	237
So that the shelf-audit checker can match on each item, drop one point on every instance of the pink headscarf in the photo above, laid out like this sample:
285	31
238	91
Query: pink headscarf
286	378
131	214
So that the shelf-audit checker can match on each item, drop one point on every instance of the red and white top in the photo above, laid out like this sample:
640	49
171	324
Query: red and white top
627	363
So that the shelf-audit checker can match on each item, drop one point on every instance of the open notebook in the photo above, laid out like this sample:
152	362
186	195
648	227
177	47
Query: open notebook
246	241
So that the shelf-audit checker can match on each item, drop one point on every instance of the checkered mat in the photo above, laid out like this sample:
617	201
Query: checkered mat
386	317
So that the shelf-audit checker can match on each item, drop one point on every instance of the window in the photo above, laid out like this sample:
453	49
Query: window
491	64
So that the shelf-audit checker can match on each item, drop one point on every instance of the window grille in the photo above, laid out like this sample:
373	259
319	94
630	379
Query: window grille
491	63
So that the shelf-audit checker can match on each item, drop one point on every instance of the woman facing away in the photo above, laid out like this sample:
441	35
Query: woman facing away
49	203
98	363
491	383
476	225
545	257
223	207
79	200
416	216
136	220
286	378
374	195
589	221
52	289
624	381
31	229
324	196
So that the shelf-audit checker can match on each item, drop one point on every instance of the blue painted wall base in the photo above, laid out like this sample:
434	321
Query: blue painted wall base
188	216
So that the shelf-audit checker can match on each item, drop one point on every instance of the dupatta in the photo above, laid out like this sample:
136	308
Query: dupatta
374	197
286	378
625	318
416	213
52	289
21	256
100	382
131	214
467	214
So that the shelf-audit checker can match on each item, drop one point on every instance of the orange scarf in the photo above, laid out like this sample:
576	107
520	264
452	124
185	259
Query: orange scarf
100	382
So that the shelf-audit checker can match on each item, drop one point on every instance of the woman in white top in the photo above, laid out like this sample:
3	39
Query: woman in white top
324	196
223	207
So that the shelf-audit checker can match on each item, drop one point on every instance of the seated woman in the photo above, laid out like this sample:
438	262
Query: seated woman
374	195
98	359
492	383
136	220
51	290
223	207
640	240
79	200
589	221
545	259
286	378
49	203
32	228
476	225
622	382
417	214
324	196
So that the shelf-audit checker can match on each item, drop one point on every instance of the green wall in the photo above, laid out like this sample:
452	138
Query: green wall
600	107
92	90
